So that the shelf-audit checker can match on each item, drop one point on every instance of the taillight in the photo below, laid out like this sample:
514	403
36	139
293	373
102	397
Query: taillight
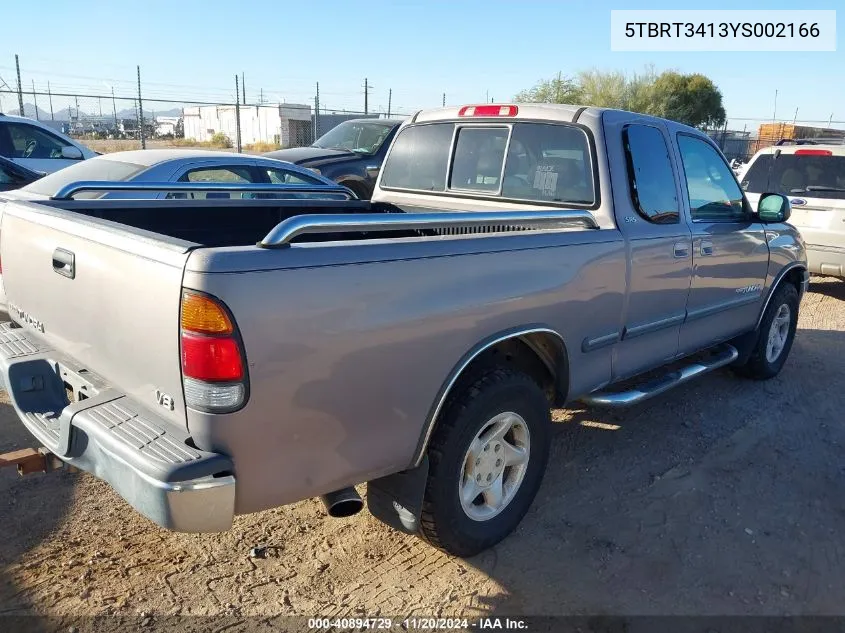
488	110
813	152
213	367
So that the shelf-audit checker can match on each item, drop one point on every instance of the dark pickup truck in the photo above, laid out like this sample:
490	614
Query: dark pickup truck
351	153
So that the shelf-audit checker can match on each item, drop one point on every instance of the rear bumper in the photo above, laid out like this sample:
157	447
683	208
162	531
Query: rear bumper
146	459
826	260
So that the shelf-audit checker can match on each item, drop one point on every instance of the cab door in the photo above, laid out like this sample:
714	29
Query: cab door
646	200
729	249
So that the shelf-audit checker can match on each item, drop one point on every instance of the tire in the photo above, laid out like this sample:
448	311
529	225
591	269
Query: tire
498	398
359	189
768	356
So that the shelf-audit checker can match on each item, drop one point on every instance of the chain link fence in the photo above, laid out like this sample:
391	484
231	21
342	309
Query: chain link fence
114	122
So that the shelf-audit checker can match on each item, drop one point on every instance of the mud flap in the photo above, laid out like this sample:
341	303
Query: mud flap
397	499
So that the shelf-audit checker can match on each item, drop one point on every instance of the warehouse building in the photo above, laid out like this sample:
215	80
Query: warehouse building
286	124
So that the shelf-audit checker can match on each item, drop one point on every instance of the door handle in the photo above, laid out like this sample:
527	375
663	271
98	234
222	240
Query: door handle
706	247
681	249
64	263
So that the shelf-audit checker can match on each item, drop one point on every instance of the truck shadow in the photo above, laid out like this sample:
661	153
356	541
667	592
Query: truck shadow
31	508
828	286
719	498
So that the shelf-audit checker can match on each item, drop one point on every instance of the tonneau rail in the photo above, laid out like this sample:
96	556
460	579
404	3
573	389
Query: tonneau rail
67	192
284	232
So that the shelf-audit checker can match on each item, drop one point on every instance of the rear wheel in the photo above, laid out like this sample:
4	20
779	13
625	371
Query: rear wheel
486	462
775	337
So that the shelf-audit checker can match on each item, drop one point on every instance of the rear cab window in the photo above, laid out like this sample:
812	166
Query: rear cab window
524	162
810	173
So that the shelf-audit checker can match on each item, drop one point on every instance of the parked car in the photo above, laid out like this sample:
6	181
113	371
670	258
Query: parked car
38	147
813	177
172	165
14	176
212	360
350	153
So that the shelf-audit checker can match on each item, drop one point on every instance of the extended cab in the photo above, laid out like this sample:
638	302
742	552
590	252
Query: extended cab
216	357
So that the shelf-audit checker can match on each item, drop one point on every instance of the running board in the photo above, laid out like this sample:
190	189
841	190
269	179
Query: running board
724	356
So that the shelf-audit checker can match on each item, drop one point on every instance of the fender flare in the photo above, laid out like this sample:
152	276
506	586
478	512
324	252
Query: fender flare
465	361
781	276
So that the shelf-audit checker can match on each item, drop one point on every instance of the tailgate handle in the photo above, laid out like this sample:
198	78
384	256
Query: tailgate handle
64	263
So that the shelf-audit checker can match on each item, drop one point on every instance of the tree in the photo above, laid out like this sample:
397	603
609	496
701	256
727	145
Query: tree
691	99
557	90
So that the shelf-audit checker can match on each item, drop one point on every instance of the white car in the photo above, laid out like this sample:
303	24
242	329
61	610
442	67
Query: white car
38	147
813	177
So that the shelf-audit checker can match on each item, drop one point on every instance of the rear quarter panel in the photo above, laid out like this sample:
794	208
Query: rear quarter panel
349	345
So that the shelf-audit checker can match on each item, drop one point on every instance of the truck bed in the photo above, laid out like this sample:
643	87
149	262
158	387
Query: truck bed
209	223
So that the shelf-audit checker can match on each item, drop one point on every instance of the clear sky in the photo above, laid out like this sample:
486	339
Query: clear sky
466	48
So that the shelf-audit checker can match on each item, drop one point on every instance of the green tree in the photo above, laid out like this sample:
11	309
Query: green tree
691	99
557	90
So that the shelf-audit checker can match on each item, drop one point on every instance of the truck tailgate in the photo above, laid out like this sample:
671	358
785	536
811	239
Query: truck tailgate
104	297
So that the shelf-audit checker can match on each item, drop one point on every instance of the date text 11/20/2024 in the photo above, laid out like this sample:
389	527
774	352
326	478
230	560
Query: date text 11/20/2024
417	624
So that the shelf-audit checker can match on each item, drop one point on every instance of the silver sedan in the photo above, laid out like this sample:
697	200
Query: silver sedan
175	165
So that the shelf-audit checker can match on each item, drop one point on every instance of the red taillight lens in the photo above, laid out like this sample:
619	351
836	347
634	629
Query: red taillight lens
488	110
211	359
813	152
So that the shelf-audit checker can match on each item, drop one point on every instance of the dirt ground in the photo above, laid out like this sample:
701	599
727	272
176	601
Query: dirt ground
721	497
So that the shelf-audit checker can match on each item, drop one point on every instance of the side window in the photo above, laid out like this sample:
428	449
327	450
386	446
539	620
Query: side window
29	141
215	174
650	176
713	192
6	176
282	177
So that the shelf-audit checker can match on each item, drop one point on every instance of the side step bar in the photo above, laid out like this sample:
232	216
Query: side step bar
723	356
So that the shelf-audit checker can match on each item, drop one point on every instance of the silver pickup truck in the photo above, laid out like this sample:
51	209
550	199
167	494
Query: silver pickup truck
210	358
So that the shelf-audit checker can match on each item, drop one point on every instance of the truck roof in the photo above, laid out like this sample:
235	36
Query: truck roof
554	112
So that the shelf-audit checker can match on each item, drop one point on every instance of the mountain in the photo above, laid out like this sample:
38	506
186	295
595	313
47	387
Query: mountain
62	114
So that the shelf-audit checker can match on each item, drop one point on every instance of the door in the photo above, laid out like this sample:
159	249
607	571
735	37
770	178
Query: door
729	249
33	147
647	205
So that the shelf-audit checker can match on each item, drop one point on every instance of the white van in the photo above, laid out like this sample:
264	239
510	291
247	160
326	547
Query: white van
813	177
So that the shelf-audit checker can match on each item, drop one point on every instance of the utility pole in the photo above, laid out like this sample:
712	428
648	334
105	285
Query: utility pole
389	101
237	114
444	99
367	88
100	104
50	96
557	88
114	108
795	118
20	87
141	111
261	98
317	113
830	120
243	88
35	100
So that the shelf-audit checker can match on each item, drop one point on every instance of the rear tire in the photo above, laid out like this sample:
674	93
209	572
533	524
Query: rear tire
490	447
775	336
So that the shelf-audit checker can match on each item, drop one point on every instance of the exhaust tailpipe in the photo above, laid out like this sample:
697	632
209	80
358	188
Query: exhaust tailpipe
342	503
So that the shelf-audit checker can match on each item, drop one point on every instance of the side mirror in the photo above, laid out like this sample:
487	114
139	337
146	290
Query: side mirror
71	152
774	207
372	171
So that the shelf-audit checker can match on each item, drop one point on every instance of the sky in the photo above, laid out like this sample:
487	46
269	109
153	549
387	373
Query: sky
468	49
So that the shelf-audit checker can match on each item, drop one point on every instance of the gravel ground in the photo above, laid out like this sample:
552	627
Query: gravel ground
721	497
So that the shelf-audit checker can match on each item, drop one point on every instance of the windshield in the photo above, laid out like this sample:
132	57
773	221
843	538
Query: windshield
807	175
92	169
363	137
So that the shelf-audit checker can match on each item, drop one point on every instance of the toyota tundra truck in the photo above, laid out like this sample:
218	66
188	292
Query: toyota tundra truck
210	358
